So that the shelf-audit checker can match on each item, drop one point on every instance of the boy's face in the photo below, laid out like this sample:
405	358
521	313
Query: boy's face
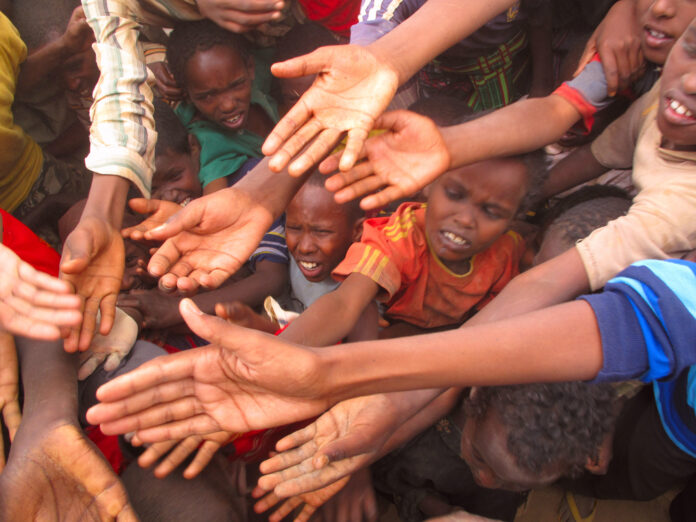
218	81
318	232
484	448
661	23
292	90
470	207
135	275
676	114
176	177
80	72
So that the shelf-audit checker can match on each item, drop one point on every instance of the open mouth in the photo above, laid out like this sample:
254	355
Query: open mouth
655	38
310	269
234	121
456	239
678	112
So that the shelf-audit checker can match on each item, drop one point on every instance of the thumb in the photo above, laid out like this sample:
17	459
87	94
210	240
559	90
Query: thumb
337	450
311	63
143	206
77	252
186	219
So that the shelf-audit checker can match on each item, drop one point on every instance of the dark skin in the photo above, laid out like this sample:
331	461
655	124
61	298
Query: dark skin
54	472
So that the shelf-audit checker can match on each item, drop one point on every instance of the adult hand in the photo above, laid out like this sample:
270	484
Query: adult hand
352	89
343	440
32	303
240	16
93	260
243	380
355	502
402	160
55	473
618	45
312	501
208	240
165	82
159	211
9	390
109	349
177	451
159	310
78	35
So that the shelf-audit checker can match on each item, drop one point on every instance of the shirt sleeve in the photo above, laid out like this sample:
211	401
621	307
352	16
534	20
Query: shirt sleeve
122	134
647	321
378	17
272	246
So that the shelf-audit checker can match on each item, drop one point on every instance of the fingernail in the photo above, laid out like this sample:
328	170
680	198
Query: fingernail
321	461
190	306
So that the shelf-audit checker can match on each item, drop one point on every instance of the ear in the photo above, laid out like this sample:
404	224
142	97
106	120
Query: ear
600	464
358	230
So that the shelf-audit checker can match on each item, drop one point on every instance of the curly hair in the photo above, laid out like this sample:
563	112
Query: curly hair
188	38
550	423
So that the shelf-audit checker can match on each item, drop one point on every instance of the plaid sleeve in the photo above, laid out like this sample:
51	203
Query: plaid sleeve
272	246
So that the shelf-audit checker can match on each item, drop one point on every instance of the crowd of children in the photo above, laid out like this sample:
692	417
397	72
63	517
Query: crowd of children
386	314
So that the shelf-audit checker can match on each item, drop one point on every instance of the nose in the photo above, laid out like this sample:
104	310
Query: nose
663	8
227	103
306	245
688	81
465	217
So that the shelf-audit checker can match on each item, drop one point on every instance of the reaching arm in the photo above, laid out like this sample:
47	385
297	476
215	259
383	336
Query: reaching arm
577	167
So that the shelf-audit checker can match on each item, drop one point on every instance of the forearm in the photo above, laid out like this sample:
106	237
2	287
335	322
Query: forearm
414	43
521	127
561	343
41	63
577	167
107	199
539	33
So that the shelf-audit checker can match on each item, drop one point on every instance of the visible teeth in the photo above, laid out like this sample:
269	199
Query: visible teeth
680	109
307	265
234	119
656	34
459	240
186	201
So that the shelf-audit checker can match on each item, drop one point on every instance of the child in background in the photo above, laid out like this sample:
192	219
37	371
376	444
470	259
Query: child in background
432	264
227	109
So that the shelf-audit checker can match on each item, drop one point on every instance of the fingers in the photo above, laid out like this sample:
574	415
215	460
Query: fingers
342	182
156	416
107	308
354	144
203	457
321	146
177	456
381	198
39	280
164	258
297	438
12	416
87	368
361	187
196	425
297	130
312	63
153	453
186	219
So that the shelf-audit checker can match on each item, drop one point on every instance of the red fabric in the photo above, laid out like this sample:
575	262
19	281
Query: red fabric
28	246
417	287
108	445
336	15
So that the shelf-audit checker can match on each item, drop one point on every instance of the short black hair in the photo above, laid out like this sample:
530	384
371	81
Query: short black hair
550	424
303	39
352	208
188	38
171	133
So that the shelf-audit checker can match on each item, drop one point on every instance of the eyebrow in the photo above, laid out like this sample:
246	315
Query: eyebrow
234	83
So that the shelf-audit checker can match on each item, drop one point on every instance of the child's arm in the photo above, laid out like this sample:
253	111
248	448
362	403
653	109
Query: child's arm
577	167
539	35
367	325
334	315
215	185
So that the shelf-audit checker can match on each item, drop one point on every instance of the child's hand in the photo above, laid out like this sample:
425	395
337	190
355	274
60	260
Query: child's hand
9	390
165	82
34	304
401	161
208	240
78	35
93	261
240	16
352	89
206	447
343	440
111	348
355	502
160	211
312	501
159	310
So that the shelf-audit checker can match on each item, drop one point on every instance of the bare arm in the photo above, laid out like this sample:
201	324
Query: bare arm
577	167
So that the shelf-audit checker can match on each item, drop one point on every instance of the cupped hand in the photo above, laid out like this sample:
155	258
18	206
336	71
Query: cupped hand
166	84
176	451
158	310
310	501
78	35
32	303
159	211
352	89
343	440
9	390
240	16
401	161
208	240
93	261
243	380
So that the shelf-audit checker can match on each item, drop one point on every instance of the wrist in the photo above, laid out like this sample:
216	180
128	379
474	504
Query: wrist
384	55
107	199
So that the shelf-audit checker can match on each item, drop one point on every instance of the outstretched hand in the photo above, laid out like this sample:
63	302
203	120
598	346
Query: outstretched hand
159	211
243	380
208	240
401	161
93	261
343	440
240	16
352	89
32	303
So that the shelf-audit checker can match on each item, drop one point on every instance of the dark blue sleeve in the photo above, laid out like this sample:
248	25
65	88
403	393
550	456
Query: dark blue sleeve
647	321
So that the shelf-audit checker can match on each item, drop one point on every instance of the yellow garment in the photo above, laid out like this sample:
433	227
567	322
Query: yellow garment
21	158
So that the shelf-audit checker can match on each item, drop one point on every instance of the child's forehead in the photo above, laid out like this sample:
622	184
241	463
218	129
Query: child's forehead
500	172
315	202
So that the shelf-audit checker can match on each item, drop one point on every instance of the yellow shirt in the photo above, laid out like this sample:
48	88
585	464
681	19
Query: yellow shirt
21	158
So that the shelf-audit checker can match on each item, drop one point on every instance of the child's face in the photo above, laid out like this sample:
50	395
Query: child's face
218	82
470	207
292	89
135	275
485	450
676	115
318	232
661	23
176	177
80	72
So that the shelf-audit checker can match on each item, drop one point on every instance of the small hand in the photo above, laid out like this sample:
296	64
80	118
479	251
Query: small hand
208	240
240	16
9	390
312	501
165	82
55	473
159	310
401	161
355	502
109	349
160	211
93	261
32	303
243	380
78	35
178	450
352	88
343	440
